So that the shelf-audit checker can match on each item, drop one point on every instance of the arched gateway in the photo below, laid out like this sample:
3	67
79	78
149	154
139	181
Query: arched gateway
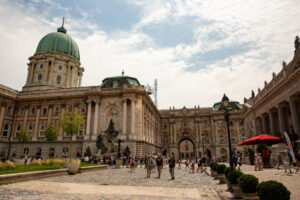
186	148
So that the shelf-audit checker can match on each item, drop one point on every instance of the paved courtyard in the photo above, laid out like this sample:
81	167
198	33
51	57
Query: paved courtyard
119	184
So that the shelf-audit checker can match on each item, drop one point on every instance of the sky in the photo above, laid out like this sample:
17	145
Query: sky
196	49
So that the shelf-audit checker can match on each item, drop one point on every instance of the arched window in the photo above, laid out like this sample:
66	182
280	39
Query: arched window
40	77
58	79
5	130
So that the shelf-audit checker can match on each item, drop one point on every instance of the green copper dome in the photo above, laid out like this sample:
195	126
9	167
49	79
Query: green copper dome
60	42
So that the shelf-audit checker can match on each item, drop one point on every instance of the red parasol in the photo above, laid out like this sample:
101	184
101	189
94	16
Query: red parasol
263	138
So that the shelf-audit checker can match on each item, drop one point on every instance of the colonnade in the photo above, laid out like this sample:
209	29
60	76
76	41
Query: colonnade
285	117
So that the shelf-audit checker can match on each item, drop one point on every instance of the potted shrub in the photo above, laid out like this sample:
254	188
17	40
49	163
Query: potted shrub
232	178
72	123
248	184
213	169
221	175
272	190
226	171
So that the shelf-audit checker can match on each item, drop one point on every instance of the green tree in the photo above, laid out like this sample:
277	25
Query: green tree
51	133
71	123
24	136
126	151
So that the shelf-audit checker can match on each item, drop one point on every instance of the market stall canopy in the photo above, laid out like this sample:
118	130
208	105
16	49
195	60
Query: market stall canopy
263	138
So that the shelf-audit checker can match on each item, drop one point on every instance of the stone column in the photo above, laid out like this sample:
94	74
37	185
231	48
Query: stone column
124	121
80	79
96	117
25	116
282	121
61	131
2	112
196	132
133	117
272	123
174	129
36	123
88	120
171	134
67	76
32	72
50	112
29	73
264	124
295	116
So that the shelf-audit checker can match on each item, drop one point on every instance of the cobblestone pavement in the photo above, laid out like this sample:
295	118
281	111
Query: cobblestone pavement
119	184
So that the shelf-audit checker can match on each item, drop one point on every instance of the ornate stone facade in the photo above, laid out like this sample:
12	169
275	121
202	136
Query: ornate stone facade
192	131
276	108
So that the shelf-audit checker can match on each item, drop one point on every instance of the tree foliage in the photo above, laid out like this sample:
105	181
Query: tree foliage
71	123
51	132
24	136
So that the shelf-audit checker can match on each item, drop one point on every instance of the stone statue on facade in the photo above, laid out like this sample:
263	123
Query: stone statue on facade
252	94
245	100
283	64
296	43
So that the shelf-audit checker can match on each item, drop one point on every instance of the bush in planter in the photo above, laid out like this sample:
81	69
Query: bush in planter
272	190
220	168
248	183
233	176
214	166
226	171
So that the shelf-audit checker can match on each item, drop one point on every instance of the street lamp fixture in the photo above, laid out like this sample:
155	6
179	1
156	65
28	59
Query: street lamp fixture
226	107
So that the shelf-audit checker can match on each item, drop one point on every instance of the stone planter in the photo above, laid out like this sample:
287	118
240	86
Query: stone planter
215	174
237	191
72	167
250	196
222	178
228	185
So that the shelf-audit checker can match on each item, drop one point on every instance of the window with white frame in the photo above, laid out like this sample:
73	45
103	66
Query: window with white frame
221	137
243	136
18	128
42	130
5	130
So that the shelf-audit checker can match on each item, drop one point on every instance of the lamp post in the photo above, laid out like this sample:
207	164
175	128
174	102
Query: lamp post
119	148
226	107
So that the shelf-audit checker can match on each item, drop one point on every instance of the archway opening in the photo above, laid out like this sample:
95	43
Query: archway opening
186	148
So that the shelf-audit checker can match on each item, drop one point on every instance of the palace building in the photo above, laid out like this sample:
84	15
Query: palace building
53	87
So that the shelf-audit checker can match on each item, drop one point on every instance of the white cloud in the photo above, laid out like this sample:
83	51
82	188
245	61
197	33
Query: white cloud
268	26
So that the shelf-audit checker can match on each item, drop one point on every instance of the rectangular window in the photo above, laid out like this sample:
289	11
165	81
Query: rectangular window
32	111
21	112
30	129
42	130
18	128
242	122
220	123
44	111
221	138
5	130
243	137
56	110
81	132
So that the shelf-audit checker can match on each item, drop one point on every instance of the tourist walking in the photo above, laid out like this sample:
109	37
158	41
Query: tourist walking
148	165
239	162
186	164
200	165
179	163
172	166
159	164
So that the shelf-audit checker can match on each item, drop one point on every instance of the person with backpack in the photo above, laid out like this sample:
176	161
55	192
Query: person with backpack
159	164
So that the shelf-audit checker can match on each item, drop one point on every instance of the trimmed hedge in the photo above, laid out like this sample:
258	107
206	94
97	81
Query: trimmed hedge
233	176
248	183
213	166
226	171
221	168
272	190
